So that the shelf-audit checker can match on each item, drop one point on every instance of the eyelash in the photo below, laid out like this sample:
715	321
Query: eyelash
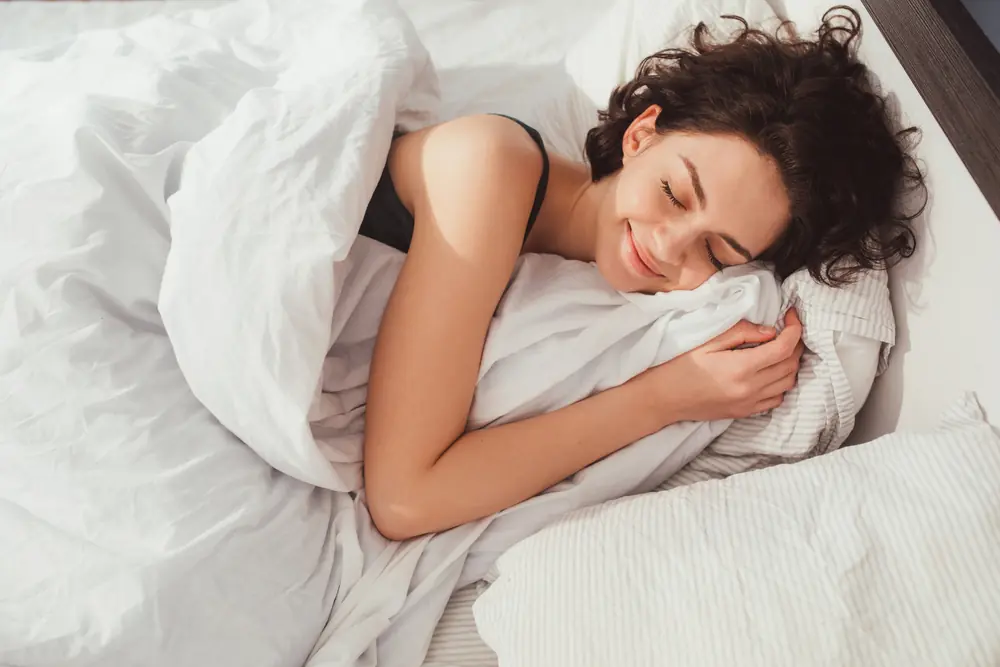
708	247
713	259
670	193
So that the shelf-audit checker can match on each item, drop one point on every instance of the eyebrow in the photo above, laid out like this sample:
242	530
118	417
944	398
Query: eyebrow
695	181
737	246
700	194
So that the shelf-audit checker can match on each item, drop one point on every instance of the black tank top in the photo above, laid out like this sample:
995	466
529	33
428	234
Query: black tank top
388	221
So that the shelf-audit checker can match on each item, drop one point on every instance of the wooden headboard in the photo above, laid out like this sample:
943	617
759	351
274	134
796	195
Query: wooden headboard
956	69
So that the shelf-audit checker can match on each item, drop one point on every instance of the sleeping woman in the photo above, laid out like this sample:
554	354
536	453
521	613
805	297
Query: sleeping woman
765	147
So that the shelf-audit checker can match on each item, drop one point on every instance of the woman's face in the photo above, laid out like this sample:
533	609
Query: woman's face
685	205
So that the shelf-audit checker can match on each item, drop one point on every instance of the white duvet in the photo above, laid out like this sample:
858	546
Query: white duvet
187	319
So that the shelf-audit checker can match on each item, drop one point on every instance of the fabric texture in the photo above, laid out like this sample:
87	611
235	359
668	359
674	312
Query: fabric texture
134	527
166	496
818	414
456	640
878	554
189	309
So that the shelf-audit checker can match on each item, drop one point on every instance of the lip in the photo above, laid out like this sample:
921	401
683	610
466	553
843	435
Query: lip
635	254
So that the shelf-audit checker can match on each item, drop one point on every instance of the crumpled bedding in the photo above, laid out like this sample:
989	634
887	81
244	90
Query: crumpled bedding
187	335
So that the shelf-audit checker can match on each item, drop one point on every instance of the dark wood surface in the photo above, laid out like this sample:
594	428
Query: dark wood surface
956	69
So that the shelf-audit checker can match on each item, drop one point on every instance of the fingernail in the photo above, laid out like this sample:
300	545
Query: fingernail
766	330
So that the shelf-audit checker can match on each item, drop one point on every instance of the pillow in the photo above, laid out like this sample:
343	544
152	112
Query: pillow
863	557
633	29
607	55
848	332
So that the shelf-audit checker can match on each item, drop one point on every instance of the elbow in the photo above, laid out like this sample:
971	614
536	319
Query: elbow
397	515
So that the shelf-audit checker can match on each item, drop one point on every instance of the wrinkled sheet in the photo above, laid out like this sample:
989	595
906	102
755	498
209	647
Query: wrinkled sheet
187	325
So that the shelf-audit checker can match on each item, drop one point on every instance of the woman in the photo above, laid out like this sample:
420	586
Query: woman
766	147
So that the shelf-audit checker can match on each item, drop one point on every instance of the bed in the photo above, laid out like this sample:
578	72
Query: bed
944	346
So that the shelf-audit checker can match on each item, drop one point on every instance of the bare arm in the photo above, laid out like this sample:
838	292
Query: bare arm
488	470
470	184
491	469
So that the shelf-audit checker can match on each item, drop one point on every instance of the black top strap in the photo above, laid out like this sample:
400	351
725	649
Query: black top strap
387	220
543	181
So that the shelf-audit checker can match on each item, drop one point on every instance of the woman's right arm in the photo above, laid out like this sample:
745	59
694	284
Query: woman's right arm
488	470
471	184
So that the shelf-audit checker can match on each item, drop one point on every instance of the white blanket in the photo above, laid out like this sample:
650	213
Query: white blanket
266	125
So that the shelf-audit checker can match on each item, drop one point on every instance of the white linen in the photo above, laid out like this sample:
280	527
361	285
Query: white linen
848	332
35	23
561	334
501	56
142	526
481	73
134	529
880	554
456	641
607	54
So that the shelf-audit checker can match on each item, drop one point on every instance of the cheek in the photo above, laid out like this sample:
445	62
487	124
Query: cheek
607	257
636	197
694	275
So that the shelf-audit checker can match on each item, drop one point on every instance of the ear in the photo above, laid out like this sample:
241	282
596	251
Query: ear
640	133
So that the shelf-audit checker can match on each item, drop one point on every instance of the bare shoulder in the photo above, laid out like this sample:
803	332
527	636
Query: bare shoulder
487	153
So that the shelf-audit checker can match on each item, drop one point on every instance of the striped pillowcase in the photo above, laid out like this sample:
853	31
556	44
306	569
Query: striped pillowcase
818	414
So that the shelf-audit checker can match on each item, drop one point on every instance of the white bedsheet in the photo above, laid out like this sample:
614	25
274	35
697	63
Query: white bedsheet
269	124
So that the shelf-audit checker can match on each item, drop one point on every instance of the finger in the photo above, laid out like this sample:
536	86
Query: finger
793	361
768	404
775	351
777	372
792	317
779	387
742	333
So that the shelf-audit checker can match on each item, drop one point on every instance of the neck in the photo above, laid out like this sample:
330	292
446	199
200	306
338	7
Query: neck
568	225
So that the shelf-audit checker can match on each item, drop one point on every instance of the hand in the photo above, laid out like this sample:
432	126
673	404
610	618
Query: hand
718	381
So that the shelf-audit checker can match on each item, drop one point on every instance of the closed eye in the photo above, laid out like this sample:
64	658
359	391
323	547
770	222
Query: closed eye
670	194
713	259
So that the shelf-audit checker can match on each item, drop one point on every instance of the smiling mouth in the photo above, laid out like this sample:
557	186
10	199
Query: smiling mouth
646	263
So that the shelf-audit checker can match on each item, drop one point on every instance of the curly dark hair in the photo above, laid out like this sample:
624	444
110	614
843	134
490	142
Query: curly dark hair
813	108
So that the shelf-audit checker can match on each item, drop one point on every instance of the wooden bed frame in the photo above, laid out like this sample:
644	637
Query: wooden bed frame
956	69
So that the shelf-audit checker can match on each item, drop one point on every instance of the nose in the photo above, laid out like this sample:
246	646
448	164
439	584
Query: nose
673	241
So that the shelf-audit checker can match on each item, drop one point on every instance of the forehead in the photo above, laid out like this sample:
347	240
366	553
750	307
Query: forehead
744	192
